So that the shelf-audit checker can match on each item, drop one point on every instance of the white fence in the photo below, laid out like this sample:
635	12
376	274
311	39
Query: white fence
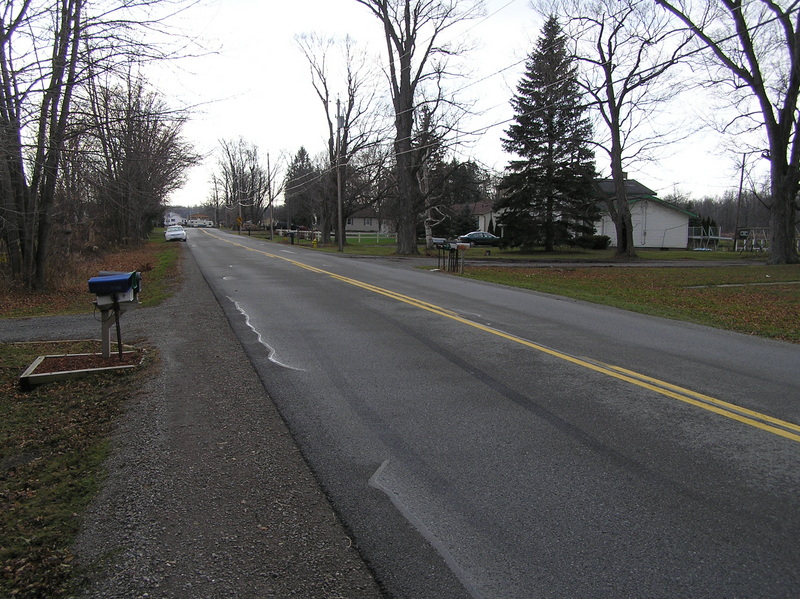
358	237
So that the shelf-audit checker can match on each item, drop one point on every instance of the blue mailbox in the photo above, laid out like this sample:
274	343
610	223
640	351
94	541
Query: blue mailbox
117	291
111	286
108	283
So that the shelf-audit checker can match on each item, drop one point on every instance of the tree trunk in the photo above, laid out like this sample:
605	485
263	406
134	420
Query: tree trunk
622	213
549	227
782	218
12	201
52	125
408	193
408	187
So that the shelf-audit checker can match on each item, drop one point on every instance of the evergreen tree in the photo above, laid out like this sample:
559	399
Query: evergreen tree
302	193
463	221
546	196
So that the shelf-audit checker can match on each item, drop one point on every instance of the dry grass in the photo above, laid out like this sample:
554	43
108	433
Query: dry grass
69	292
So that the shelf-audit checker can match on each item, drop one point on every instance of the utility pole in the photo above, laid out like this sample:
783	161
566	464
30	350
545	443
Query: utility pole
739	205
269	195
340	228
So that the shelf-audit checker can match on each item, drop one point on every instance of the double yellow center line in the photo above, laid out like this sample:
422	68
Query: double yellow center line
758	420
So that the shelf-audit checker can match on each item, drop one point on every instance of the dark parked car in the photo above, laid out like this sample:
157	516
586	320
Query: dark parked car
479	238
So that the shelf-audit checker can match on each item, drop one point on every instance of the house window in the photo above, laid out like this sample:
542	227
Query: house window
367	222
349	221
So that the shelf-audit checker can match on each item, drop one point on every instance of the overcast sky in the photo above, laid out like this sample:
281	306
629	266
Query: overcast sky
257	86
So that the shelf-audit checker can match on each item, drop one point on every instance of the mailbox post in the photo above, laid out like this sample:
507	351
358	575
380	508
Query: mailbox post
117	291
451	254
441	245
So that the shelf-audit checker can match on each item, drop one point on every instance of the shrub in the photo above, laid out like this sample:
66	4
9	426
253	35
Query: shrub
593	242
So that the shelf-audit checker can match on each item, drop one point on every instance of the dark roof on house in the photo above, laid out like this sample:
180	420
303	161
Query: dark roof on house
474	207
481	207
633	187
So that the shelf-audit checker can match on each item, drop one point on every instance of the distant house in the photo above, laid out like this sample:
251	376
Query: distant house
487	219
368	221
172	218
656	223
199	220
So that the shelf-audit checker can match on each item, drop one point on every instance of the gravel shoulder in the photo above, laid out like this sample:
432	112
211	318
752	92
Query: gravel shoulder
207	494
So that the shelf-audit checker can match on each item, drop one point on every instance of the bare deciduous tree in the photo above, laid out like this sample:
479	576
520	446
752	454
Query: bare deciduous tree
354	123
417	66
35	104
626	49
49	49
135	158
247	186
754	47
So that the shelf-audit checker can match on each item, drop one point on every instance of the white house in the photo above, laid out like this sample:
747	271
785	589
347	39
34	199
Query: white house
482	211
172	218
656	223
368	221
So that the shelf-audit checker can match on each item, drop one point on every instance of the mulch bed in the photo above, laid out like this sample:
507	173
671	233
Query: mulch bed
84	362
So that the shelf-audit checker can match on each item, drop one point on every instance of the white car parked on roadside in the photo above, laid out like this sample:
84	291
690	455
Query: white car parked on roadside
175	233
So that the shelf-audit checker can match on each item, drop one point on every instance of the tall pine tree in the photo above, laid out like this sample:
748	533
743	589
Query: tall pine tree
302	190
547	193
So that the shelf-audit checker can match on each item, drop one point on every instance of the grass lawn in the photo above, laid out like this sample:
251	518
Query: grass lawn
751	299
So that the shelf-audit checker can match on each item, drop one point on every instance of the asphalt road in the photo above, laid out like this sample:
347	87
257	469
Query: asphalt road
482	441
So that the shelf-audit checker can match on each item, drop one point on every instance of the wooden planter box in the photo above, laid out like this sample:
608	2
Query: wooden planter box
51	368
